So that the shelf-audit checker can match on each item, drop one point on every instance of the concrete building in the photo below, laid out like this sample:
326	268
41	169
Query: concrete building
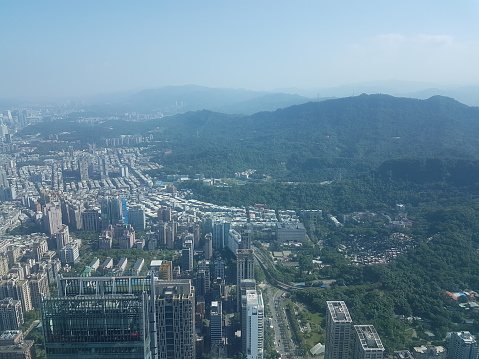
187	256
244	268
13	345
290	232
18	290
96	326
173	332
367	344
338	331
252	336
69	254
11	314
430	352
463	345
91	221
137	218
216	322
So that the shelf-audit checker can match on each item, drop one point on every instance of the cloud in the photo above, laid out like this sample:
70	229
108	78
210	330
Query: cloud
433	40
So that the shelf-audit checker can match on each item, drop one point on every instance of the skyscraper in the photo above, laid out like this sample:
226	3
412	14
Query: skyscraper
367	344
96	326
252	335
187	256
216	323
338	331
244	268
173	307
463	345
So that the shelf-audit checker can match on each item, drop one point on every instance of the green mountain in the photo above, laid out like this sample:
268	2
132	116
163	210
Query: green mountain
311	141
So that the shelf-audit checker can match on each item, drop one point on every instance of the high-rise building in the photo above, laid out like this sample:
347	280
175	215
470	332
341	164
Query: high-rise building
208	247
90	220
252	335
111	211
96	326
165	272
52	218
19	290
173	306
137	218
244	268
187	256
62	237
338	331
11	314
38	288
83	169
216	322
367	344
463	345
70	253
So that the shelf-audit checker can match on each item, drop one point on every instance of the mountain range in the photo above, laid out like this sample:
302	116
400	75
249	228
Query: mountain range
313	141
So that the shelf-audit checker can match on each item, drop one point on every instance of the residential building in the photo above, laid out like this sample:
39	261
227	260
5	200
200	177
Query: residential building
463	345
173	306
367	344
338	331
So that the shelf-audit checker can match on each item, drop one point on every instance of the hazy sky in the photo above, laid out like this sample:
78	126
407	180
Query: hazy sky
67	47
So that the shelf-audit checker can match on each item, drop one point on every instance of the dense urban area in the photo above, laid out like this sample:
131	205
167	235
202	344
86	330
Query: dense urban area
104	254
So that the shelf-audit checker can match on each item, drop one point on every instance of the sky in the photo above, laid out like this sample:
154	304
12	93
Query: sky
85	47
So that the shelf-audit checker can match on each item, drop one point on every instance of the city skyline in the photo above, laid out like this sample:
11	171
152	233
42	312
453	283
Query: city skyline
83	48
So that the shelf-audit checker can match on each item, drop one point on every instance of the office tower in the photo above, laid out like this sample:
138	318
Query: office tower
111	211
338	331
220	234
173	307
137	218
219	265
203	280
187	256
216	322
96	326
244	268
52	218
247	236
208	247
252	334
207	225
11	314
462	345
367	344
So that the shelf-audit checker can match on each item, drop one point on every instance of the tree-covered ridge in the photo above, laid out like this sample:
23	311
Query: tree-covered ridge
313	141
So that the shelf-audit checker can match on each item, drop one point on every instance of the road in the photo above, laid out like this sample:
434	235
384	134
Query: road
282	335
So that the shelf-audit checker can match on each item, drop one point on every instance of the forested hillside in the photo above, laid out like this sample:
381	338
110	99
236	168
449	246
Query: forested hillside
315	141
